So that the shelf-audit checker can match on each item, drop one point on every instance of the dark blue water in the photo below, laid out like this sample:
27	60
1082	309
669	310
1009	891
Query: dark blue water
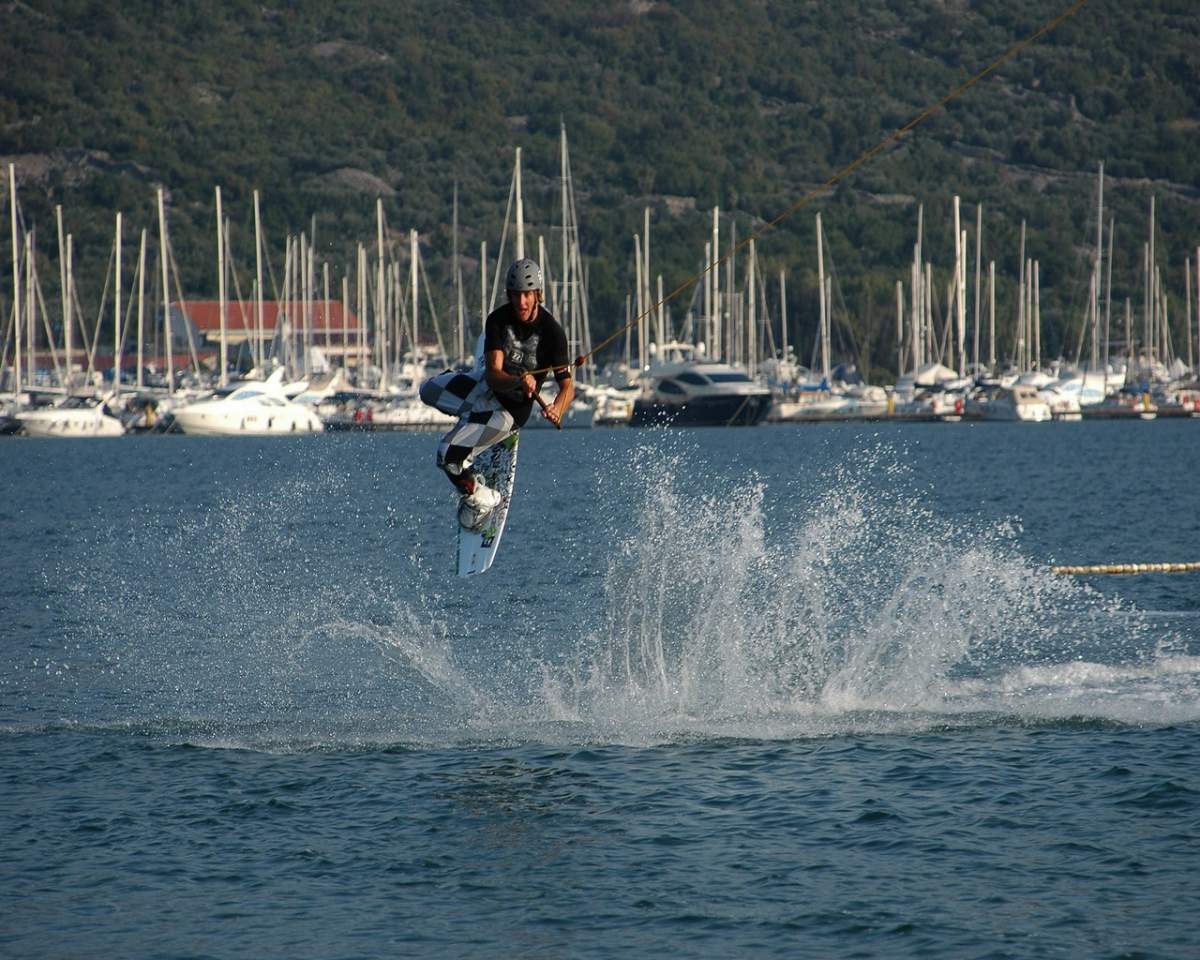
787	691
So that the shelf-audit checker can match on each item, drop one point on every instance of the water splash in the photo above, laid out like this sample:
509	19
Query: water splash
722	612
730	605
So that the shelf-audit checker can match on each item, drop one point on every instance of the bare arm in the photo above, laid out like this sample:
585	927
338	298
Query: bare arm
566	394
500	379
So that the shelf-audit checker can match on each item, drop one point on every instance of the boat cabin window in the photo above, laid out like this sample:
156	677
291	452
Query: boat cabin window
670	386
728	378
693	378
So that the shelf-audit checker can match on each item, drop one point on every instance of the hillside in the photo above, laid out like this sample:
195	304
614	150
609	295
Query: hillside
678	106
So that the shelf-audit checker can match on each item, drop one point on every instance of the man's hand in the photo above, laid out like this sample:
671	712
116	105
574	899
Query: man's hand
529	384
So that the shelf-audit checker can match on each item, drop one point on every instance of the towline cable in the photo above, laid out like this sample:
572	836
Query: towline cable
842	174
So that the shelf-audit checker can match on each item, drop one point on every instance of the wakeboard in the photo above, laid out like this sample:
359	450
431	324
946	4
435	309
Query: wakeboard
477	548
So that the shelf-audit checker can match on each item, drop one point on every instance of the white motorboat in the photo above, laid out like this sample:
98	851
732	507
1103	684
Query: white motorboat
1020	402
254	409
73	417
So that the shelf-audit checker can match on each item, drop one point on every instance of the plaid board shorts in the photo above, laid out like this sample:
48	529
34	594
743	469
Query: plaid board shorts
482	420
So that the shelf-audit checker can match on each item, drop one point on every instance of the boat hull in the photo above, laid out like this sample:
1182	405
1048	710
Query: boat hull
745	410
74	423
252	424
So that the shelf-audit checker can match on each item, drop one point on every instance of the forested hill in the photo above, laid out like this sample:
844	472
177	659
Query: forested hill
679	106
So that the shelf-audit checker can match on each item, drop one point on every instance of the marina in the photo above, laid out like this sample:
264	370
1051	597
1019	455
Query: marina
846	602
729	358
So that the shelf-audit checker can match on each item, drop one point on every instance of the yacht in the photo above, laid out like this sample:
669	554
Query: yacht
73	417
688	392
1021	402
253	409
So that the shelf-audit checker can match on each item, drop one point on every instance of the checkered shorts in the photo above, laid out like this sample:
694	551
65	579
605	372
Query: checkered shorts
482	420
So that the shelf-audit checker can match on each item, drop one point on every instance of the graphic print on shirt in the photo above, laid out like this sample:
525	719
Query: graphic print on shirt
520	355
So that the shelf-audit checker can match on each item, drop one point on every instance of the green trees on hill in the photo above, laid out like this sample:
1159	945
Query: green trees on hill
743	106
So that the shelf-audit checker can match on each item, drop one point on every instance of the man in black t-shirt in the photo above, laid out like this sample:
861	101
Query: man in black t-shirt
494	401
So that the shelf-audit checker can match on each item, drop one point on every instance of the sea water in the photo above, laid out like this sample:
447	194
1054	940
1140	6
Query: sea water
784	691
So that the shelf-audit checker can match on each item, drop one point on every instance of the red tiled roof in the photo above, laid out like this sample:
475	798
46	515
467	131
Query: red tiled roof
206	315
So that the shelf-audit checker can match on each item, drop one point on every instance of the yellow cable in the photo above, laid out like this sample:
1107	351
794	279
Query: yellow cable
840	175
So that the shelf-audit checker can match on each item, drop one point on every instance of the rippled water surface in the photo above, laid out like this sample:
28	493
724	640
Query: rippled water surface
785	691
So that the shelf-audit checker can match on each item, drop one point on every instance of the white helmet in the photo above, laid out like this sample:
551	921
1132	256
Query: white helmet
524	274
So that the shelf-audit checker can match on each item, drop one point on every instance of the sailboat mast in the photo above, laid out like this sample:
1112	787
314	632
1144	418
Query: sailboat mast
1187	298
992	317
304	294
258	278
141	338
117	317
456	273
640	307
978	265
16	273
414	288
917	321
30	363
380	294
714	275
66	304
222	379
1037	315
824	306
959	289
166	297
1148	317
520	207
1098	266
324	314
361	277
1022	282
345	311
1112	228
783	326
562	177
730	328
708	324
483	304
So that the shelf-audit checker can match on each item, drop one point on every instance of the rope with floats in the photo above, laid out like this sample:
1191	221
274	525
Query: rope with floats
1126	568
840	175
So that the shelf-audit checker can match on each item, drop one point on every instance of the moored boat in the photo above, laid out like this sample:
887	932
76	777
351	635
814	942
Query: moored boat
73	417
254	409
701	394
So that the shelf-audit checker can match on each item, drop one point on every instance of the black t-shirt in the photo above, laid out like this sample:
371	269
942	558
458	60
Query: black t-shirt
526	346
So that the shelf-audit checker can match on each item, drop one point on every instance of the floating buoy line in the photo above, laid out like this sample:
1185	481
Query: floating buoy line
1128	568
